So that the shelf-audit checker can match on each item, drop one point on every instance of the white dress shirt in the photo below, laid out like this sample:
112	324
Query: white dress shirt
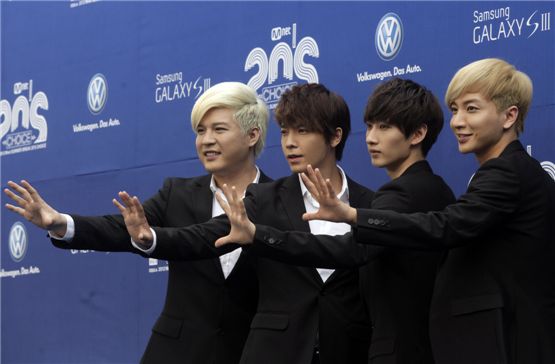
322	227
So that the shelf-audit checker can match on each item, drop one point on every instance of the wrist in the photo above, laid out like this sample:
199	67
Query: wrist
352	216
58	225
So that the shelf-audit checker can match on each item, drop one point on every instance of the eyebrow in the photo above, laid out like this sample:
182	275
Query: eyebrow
471	101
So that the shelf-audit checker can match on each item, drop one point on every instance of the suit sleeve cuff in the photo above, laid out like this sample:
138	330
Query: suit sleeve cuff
70	230
152	247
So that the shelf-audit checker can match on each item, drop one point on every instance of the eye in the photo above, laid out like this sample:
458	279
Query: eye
471	108
453	110
283	131
200	131
302	130
384	126
220	129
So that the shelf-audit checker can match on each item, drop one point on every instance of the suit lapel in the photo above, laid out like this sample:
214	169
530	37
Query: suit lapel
202	200
356	198
292	200
242	257
293	203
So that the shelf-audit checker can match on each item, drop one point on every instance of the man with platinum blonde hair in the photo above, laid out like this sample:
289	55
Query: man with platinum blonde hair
250	111
230	124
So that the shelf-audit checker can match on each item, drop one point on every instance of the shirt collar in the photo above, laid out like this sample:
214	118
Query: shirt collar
215	188
343	195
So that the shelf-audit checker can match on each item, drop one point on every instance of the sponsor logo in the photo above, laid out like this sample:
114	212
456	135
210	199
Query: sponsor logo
389	36
18	241
156	266
97	93
269	81
388	40
172	86
549	167
23	127
97	96
497	24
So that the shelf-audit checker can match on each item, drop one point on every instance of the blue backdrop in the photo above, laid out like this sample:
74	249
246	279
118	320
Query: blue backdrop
96	98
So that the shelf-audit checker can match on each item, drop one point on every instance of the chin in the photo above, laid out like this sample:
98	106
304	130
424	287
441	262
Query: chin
465	149
297	169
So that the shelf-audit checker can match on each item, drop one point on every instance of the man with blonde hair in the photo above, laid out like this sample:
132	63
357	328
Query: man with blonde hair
195	327
494	297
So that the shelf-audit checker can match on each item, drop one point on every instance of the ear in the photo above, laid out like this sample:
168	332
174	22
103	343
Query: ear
336	138
418	135
254	136
511	114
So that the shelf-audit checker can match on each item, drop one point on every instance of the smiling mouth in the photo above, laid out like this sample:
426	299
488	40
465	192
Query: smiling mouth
294	157
211	154
463	138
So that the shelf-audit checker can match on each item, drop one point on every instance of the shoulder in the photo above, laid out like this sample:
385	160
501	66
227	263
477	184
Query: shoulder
186	183
420	191
358	194
270	186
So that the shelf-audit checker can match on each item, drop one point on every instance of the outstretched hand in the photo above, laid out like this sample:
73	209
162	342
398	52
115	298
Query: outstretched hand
242	229
331	208
32	207
135	219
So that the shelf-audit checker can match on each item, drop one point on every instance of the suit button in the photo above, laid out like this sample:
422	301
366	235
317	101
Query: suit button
371	221
271	240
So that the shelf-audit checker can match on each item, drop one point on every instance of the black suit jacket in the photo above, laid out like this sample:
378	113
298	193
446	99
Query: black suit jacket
494	299
206	318
396	283
295	308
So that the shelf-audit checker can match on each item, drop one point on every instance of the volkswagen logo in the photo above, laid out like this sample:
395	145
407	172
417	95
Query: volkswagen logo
18	241
389	36
549	167
97	93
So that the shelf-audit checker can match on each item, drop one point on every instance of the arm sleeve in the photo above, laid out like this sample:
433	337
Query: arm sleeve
325	251
307	249
108	233
196	242
492	195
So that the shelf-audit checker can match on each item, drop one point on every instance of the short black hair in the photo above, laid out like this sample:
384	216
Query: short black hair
406	105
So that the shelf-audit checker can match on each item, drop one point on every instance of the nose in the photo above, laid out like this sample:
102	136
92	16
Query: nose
289	141
208	138
457	121
371	136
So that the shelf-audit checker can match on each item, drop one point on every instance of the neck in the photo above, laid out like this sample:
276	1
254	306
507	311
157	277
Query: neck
396	169
496	150
330	171
240	178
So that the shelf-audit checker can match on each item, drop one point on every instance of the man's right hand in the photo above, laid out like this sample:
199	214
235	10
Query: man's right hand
135	219
33	208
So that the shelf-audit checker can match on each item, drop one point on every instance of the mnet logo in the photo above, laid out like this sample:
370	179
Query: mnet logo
549	167
23	128
291	56
18	241
97	93
389	36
